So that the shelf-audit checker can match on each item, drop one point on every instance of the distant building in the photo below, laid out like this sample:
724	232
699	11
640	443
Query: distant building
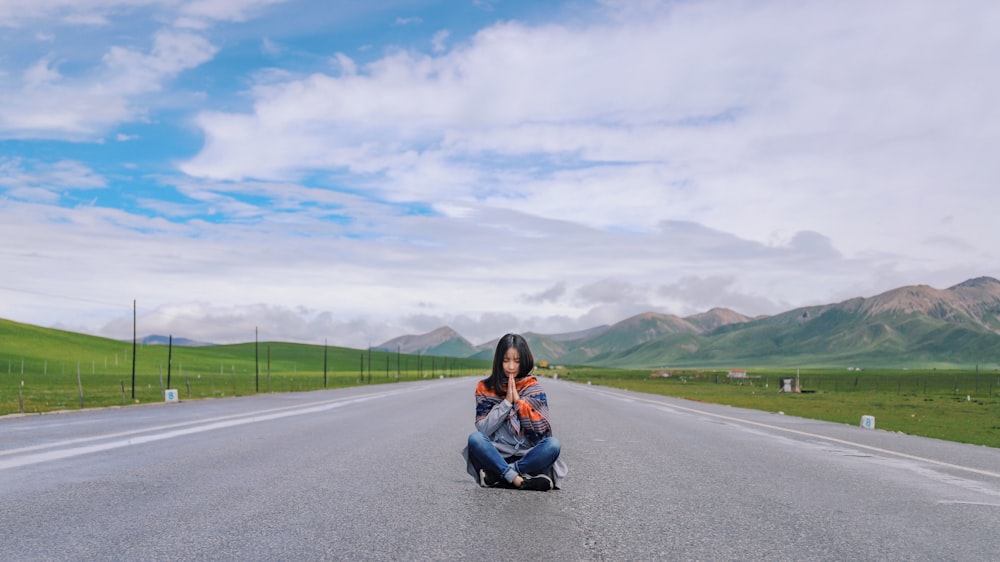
737	374
789	384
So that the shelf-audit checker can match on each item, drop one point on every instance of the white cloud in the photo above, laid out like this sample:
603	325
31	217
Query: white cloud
608	291
195	13
49	104
171	53
817	106
531	177
439	42
225	10
17	173
552	294
376	276
270	47
40	74
696	294
486	5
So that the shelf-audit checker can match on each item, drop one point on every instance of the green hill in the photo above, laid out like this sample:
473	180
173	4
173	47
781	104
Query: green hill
915	326
36	350
911	326
43	369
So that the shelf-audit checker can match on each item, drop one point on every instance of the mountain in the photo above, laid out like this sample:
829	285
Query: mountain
913	325
543	346
575	347
975	302
708	321
625	335
443	342
904	326
165	340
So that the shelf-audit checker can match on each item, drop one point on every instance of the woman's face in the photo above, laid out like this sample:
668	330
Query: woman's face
511	363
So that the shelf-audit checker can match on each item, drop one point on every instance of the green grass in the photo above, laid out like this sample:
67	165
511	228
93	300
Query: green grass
962	406
39	369
39	366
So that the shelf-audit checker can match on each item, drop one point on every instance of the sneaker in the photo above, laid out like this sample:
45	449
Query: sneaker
541	483
489	479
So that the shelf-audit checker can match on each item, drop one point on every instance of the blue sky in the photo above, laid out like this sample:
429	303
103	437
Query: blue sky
354	171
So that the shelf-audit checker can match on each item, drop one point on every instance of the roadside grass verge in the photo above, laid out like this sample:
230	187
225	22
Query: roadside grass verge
43	370
61	392
957	406
46	393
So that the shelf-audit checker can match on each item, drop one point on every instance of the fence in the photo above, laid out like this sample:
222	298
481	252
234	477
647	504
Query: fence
29	385
903	382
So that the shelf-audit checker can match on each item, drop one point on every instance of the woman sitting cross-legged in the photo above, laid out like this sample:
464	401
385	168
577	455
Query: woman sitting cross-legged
513	446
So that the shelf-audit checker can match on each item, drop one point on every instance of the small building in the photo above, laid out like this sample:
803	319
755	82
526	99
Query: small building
790	384
737	374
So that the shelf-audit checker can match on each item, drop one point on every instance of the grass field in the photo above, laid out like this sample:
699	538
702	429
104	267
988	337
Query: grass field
961	406
43	370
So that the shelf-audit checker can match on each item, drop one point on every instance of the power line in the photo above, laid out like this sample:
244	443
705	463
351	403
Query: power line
65	297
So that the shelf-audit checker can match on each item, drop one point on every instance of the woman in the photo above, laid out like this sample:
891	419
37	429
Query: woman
513	446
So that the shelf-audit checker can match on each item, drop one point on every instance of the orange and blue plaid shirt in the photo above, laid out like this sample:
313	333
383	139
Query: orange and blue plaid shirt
528	420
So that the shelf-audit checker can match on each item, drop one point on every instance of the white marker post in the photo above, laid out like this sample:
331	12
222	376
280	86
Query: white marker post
170	395
868	422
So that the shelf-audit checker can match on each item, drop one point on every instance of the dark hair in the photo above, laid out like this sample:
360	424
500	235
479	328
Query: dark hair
527	362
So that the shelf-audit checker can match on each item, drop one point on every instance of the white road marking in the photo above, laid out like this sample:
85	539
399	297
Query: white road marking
801	433
956	502
169	431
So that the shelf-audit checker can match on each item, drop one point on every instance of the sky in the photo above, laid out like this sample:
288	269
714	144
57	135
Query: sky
349	172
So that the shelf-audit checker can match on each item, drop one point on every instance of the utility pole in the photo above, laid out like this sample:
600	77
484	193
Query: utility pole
133	349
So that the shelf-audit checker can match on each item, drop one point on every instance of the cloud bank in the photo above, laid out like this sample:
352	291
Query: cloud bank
531	173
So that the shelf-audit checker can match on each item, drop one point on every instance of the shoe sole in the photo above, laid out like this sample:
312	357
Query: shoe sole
540	483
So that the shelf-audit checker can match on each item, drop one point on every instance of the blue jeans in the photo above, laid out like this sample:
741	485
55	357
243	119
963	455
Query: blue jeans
538	460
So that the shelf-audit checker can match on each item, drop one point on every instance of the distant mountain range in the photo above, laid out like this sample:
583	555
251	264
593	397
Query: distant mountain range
909	326
165	340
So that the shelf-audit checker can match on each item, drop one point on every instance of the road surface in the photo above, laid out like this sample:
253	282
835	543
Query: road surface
374	473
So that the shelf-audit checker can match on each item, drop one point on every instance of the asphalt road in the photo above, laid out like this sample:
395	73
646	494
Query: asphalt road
374	473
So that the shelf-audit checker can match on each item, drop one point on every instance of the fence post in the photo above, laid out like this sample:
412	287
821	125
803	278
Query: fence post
170	358
79	383
133	349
